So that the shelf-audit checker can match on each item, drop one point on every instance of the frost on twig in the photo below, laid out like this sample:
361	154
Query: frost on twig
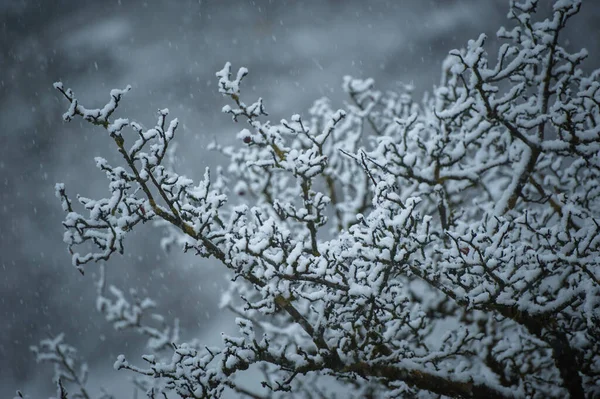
448	246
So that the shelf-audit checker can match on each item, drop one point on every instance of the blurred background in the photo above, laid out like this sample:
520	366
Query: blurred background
169	51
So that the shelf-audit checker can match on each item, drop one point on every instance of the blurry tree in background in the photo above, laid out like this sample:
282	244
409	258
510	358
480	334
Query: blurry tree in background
399	248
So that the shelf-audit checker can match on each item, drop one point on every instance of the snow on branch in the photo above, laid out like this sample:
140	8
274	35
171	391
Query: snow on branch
449	246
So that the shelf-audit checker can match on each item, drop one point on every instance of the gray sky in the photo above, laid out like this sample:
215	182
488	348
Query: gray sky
169	51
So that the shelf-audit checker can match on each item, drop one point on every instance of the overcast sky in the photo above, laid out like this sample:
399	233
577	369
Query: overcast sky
169	51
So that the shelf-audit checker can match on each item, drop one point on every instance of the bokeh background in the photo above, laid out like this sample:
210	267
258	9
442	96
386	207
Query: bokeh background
169	51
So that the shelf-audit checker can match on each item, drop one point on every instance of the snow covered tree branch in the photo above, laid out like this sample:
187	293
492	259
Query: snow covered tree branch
67	367
403	249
